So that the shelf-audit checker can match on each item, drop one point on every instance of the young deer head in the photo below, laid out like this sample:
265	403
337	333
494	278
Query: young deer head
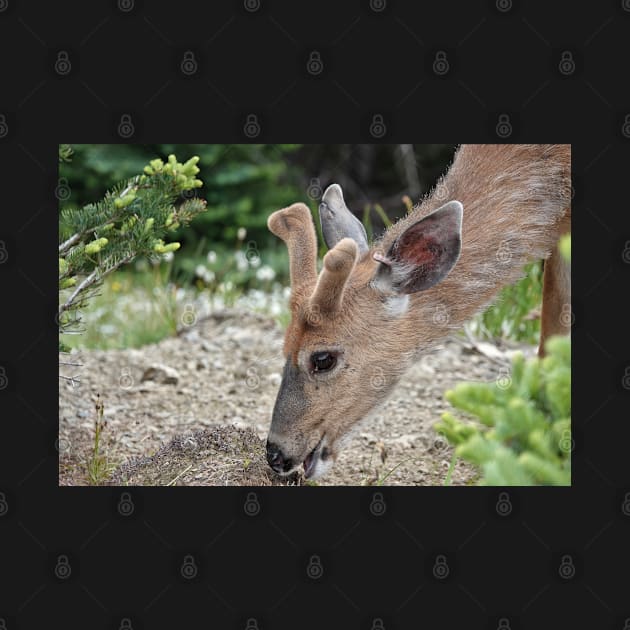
356	326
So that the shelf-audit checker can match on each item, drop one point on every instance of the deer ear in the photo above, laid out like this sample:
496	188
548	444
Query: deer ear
338	222
424	253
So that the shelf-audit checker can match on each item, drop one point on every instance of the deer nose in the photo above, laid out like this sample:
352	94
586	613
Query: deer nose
277	460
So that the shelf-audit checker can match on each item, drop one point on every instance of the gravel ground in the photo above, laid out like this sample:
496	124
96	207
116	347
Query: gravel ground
195	409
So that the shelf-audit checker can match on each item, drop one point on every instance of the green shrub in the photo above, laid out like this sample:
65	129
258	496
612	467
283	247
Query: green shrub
525	433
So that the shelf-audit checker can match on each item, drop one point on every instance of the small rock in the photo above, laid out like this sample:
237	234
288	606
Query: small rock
160	373
275	379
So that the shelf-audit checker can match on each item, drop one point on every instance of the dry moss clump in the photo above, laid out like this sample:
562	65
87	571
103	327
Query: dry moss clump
219	456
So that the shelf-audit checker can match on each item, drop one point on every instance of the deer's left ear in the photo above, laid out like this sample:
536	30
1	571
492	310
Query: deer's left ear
424	253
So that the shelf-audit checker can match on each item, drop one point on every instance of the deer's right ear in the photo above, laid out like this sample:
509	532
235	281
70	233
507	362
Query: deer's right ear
338	222
423	254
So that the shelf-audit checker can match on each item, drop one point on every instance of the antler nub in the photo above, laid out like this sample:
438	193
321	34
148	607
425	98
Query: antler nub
338	265
294	225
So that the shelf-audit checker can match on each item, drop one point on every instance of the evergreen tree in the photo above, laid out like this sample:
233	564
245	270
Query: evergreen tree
132	220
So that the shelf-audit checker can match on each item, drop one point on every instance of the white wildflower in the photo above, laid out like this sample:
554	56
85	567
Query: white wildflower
265	273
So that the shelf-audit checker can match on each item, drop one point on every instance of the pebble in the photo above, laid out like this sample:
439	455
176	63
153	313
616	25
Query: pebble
161	373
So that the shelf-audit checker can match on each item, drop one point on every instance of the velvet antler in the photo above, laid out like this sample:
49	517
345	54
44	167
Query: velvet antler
338	265
294	225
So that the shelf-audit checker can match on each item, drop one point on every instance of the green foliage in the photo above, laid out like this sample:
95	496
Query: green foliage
98	466
243	184
515	313
130	221
525	432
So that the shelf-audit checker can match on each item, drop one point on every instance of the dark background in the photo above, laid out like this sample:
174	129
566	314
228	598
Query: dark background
557	77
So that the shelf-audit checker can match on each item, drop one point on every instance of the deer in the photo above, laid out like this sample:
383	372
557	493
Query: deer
374	309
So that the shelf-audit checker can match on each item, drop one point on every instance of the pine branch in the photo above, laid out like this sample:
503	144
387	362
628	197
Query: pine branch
130	221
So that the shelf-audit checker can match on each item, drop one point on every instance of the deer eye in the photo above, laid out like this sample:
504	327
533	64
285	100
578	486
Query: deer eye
323	361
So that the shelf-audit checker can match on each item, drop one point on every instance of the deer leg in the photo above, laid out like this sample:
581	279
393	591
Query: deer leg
555	317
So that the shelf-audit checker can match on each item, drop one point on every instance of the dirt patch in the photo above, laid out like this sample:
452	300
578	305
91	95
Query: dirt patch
195	410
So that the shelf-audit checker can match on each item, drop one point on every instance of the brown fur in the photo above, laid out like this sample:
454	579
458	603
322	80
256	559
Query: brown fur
516	201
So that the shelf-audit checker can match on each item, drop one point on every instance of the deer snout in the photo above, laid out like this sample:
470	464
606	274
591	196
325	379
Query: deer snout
277	460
